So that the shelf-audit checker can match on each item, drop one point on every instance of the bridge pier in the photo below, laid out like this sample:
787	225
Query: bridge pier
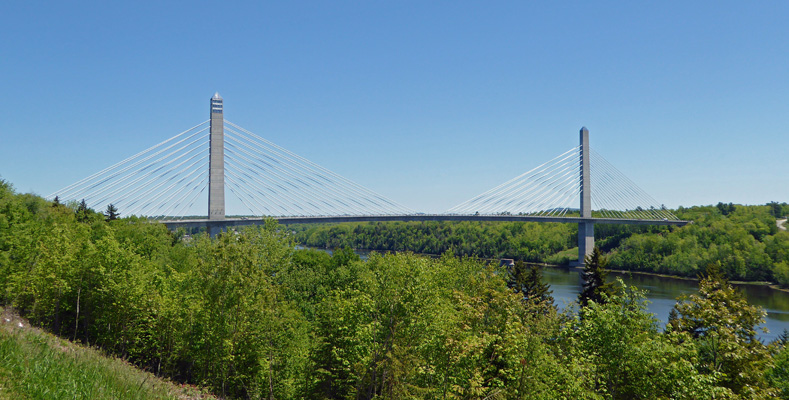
214	228
585	242
585	229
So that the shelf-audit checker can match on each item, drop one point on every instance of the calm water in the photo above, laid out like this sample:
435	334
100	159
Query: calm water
662	294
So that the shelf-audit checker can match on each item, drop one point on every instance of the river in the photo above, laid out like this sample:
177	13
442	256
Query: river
662	293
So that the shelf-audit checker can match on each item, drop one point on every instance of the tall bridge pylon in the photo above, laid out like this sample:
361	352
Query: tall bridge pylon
216	163
217	158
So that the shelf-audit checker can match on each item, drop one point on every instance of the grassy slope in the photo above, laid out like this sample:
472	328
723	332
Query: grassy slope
37	365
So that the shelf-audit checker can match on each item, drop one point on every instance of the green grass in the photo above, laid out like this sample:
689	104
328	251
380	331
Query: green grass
37	365
563	257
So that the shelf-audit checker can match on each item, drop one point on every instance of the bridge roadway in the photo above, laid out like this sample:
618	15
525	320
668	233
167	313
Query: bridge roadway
214	226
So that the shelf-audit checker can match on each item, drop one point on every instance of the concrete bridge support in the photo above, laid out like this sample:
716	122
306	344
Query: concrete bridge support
216	163
585	229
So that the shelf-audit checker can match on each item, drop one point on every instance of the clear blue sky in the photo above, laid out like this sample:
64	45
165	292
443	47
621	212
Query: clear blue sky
427	103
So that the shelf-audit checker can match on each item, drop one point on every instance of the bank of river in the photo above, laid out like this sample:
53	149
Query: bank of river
663	291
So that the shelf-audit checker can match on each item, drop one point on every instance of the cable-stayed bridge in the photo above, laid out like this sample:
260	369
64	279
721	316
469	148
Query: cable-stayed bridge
217	159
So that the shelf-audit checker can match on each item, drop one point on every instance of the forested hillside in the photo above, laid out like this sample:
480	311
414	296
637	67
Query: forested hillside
743	240
248	316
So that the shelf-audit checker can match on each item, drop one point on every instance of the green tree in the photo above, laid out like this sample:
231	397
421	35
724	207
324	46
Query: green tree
775	209
726	209
629	358
112	212
595	288
527	280
723	326
778	375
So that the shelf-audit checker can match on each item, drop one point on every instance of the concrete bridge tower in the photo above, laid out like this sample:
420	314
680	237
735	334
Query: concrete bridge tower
216	163
585	229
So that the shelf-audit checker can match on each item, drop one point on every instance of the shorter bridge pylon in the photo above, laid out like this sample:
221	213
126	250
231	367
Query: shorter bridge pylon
585	229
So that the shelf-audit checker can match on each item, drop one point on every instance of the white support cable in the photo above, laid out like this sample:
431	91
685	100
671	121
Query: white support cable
124	161
537	191
203	185
622	185
284	193
531	188
613	186
251	211
269	203
546	200
606	208
602	181
551	201
527	176
241	198
168	189
534	174
268	176
290	165
538	188
647	202
570	196
67	193
293	172
261	197
329	192
275	172
101	192
534	184
539	201
616	193
143	194
152	167
397	208
261	205
599	195
474	202
169	212
152	185
141	177
618	204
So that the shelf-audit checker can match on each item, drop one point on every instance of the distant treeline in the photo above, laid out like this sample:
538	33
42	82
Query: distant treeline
743	240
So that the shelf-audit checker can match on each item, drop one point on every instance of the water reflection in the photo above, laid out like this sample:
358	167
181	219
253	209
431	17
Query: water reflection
662	293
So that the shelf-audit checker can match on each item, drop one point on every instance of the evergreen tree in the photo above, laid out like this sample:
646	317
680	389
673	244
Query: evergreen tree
112	212
83	212
594	276
527	280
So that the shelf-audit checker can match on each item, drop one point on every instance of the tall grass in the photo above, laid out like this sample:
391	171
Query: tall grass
36	365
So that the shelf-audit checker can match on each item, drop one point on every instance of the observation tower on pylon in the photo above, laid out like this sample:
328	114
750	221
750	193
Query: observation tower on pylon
216	163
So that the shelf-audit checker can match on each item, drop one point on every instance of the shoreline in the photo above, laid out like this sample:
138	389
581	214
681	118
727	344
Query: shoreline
771	285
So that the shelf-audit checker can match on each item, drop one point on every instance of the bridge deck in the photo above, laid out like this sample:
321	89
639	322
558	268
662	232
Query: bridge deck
228	222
